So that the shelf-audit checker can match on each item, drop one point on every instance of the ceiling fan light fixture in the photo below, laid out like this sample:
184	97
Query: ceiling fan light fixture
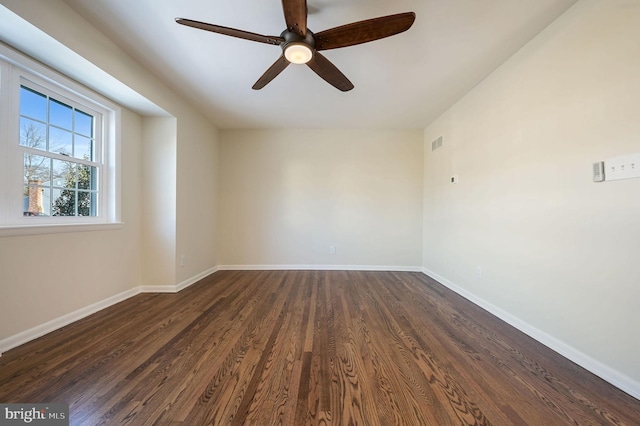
298	53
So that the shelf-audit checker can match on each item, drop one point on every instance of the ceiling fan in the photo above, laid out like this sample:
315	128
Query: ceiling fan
301	46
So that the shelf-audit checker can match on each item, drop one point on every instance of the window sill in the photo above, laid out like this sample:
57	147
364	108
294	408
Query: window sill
19	230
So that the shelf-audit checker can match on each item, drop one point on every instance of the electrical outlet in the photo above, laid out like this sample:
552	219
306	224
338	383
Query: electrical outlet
478	272
332	249
182	259
624	167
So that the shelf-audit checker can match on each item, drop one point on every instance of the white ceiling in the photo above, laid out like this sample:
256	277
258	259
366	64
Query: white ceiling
404	81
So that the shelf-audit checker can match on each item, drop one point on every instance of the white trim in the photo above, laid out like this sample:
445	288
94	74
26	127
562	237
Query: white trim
190	281
12	231
180	286
49	326
158	289
617	379
380	268
42	329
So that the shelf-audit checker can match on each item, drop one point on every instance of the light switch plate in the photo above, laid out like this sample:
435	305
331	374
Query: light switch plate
623	167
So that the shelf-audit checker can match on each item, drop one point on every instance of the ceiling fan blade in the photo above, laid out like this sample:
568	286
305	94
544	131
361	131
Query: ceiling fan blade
276	40
295	15
273	71
364	31
329	72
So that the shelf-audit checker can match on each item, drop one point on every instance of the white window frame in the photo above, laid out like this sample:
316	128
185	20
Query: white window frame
15	70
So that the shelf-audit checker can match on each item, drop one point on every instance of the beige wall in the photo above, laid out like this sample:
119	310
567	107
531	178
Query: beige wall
558	252
159	206
287	196
79	269
195	148
197	195
43	277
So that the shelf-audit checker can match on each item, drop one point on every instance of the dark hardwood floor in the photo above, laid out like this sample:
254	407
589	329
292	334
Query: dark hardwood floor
306	347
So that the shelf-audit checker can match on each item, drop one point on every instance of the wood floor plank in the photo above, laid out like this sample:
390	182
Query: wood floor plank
306	348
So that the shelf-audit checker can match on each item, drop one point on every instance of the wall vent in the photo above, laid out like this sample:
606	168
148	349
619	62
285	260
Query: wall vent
436	144
598	171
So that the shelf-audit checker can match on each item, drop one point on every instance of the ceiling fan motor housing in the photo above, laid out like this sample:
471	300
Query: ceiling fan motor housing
293	40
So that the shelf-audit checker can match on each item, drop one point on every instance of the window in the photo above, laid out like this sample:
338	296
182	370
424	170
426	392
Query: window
61	167
58	150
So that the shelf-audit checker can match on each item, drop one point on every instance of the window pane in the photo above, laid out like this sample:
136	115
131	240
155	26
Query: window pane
86	204
37	170
83	148
83	123
87	177
60	115
64	174
60	141
33	134
33	104
64	203
36	200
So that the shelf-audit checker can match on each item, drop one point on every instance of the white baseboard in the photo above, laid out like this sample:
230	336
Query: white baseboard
188	282
617	379
49	326
157	289
180	286
320	268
